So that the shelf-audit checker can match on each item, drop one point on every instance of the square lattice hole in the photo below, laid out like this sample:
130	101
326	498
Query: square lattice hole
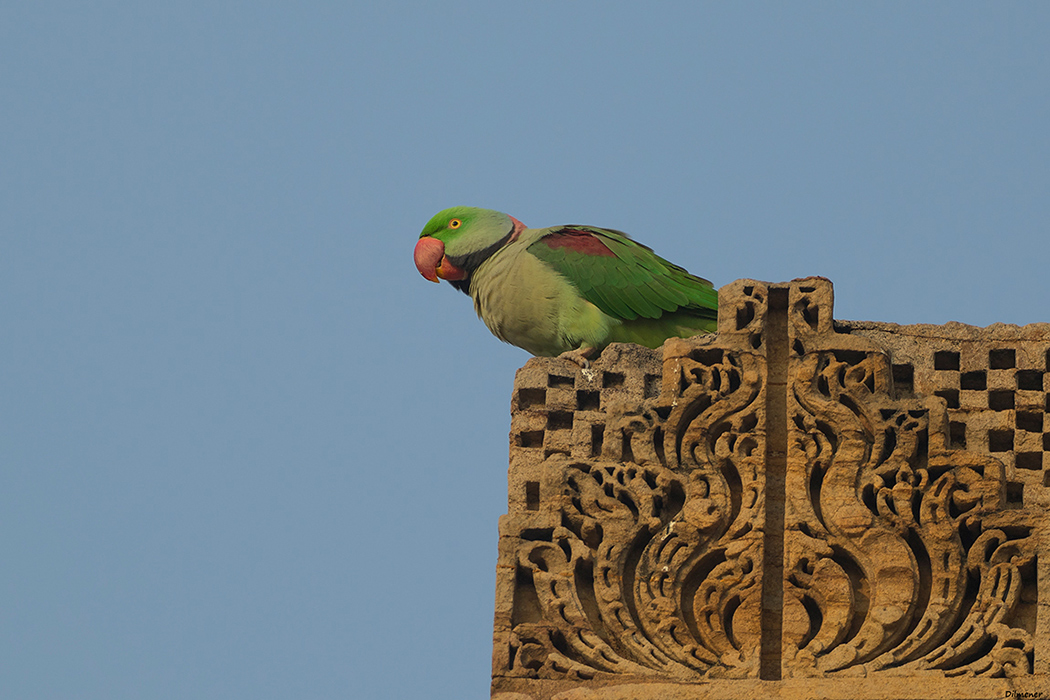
1029	460
1030	380
949	395
557	380
1015	493
612	379
530	438
974	380
1029	422
957	435
588	400
904	379
1001	400
532	495
531	399
597	438
1000	440
559	420
1004	358
946	359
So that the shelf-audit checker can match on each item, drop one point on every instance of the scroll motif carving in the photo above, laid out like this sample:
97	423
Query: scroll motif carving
643	541
893	554
652	553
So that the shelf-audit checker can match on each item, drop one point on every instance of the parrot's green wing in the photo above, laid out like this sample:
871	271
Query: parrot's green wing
622	277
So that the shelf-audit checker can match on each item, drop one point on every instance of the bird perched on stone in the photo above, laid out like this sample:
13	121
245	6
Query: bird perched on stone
564	290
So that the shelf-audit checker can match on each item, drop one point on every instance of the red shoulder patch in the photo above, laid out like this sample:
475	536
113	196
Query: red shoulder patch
578	241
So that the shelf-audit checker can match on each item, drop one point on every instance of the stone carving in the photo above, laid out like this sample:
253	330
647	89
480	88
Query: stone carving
898	554
778	501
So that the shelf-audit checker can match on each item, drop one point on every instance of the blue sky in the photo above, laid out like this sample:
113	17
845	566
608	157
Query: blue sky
247	452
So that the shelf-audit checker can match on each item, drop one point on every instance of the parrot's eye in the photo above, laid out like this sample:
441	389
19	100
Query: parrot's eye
455	223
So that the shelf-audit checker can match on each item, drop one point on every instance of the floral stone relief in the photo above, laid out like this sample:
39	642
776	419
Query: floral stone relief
822	507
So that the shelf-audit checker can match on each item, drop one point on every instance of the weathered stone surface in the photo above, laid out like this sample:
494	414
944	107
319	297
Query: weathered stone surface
790	508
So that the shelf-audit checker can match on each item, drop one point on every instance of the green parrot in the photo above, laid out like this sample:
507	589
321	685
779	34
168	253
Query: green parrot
564	290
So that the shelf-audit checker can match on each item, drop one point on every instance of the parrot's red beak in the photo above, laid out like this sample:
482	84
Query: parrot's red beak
432	263
429	252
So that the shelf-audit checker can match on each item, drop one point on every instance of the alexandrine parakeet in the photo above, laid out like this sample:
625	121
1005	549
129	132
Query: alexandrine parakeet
564	290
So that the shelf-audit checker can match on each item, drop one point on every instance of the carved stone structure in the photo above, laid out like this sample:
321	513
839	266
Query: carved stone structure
789	508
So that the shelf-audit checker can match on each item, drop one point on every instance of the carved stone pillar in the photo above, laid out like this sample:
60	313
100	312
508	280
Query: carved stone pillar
791	507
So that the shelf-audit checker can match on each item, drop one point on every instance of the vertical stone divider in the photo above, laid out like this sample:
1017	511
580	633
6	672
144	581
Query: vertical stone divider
776	332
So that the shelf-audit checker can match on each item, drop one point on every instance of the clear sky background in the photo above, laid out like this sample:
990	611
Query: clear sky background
246	451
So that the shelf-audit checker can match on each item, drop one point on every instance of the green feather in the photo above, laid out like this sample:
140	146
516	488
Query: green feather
634	282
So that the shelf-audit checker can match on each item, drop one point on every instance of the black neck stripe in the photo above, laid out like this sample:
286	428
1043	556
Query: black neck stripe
472	261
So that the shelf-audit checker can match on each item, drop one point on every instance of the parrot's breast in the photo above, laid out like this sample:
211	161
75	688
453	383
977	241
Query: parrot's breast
524	302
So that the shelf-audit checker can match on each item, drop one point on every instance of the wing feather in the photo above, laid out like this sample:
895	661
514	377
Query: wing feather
622	277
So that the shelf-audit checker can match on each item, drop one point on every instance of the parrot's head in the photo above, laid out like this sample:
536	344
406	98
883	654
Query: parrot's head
456	241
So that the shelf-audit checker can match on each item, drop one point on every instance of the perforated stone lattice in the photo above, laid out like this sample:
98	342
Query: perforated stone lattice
998	398
994	381
797	506
558	409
